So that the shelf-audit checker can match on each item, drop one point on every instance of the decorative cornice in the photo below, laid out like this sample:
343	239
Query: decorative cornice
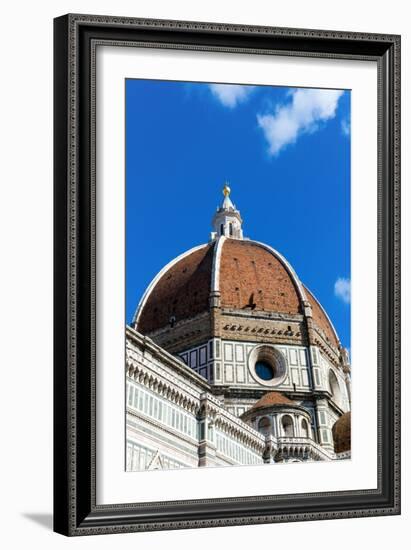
145	343
163	388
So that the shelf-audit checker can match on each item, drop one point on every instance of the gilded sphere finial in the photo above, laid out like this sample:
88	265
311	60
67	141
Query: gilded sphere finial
226	190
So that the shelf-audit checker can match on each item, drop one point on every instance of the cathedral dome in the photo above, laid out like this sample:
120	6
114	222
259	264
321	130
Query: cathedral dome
247	275
232	273
342	433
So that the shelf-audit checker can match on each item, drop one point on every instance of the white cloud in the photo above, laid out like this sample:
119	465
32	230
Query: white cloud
342	289
230	94
303	113
345	127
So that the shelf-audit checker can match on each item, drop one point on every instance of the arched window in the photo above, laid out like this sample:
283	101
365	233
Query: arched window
334	386
287	425
222	229
304	428
231	229
264	425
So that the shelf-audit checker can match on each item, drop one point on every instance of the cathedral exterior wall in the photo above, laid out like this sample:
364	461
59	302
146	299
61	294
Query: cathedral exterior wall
227	362
226	365
325	367
155	425
173	420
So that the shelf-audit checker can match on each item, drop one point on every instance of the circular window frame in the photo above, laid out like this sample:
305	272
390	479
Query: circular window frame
273	356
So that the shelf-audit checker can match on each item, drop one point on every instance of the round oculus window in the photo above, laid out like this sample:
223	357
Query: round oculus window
267	365
264	370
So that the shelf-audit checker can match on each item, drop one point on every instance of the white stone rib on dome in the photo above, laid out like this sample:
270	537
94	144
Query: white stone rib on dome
215	270
153	283
325	313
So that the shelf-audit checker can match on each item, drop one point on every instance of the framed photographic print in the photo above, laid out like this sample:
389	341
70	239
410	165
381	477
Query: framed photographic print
227	280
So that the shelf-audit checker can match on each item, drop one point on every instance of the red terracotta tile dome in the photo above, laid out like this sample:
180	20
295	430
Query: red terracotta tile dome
247	276
270	399
342	433
180	291
252	277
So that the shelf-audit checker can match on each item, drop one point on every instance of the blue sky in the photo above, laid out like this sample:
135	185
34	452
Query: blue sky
286	155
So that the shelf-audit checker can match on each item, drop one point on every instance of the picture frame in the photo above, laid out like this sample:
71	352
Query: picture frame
76	511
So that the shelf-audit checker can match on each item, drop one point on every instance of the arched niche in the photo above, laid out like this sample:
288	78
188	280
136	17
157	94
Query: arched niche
305	430
334	385
287	425
264	425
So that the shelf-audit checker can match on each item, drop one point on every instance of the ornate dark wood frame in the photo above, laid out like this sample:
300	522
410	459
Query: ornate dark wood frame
76	38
